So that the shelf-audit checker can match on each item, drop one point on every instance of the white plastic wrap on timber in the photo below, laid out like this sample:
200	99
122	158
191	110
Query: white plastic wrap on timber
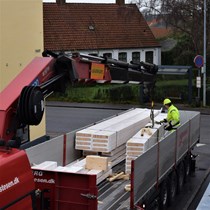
115	151
112	133
127	128
117	119
138	144
104	176
79	166
134	148
117	160
100	174
160	128
128	163
96	172
116	156
78	162
83	140
160	116
104	141
46	165
72	169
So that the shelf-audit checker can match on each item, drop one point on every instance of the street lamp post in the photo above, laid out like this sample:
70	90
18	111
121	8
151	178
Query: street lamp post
204	56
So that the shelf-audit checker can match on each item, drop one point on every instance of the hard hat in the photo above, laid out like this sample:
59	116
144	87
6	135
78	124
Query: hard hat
166	101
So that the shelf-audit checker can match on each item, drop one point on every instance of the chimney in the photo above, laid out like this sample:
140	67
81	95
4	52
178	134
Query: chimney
60	2
120	2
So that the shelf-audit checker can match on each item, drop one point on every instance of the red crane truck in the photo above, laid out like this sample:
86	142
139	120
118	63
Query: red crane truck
156	175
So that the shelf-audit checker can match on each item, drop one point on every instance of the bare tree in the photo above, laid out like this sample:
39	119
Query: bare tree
183	16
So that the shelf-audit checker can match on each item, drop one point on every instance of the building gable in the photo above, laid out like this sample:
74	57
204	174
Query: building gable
80	26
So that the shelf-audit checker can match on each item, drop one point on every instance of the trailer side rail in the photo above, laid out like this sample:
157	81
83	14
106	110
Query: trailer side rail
151	167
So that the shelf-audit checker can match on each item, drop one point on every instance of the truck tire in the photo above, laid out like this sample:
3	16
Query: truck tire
181	176
172	187
187	163
163	196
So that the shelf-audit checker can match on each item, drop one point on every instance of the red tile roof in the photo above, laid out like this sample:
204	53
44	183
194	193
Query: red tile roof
66	27
161	32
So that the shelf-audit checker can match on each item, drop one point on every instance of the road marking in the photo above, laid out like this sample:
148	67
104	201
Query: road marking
200	145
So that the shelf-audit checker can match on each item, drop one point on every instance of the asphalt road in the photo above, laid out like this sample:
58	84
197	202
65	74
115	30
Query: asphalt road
65	117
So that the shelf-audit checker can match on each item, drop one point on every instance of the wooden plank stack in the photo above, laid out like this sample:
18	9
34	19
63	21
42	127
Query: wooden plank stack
110	134
94	165
115	156
46	165
124	137
143	140
138	144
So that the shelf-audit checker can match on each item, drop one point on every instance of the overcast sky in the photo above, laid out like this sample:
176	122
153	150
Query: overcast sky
88	1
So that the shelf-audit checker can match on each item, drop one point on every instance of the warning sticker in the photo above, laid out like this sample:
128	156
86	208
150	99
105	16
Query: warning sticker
97	71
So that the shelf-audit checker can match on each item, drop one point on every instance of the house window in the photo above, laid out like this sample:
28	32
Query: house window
149	57
136	57
107	55
122	56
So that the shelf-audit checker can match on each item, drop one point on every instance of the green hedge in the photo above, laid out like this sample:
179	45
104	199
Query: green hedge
126	93
123	93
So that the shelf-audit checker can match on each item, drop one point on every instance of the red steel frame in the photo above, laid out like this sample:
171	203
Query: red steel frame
16	180
66	190
37	72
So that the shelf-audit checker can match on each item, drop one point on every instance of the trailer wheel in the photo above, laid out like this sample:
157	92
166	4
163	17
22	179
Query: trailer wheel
163	197
181	176
187	163
172	187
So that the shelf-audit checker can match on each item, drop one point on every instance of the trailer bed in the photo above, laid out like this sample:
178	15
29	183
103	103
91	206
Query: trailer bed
112	195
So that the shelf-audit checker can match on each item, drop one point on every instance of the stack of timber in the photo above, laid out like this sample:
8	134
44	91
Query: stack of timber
115	156
92	164
143	140
46	165
123	137
136	146
110	134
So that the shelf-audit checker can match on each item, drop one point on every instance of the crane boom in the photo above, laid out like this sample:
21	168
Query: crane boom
23	102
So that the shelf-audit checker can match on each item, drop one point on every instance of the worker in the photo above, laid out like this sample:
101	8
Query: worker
173	119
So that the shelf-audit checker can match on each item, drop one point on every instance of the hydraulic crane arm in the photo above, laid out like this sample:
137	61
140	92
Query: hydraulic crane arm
54	72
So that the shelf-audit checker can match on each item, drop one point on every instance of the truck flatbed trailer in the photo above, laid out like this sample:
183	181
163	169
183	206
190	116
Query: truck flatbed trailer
156	176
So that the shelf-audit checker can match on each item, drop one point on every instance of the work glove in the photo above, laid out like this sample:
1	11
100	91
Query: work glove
163	121
168	127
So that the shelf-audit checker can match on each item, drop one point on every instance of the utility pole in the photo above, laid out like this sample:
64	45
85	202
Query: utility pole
204	56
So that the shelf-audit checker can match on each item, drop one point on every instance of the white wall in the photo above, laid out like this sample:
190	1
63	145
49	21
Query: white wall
115	52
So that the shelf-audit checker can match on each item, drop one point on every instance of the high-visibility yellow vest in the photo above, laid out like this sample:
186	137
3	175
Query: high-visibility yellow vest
173	116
